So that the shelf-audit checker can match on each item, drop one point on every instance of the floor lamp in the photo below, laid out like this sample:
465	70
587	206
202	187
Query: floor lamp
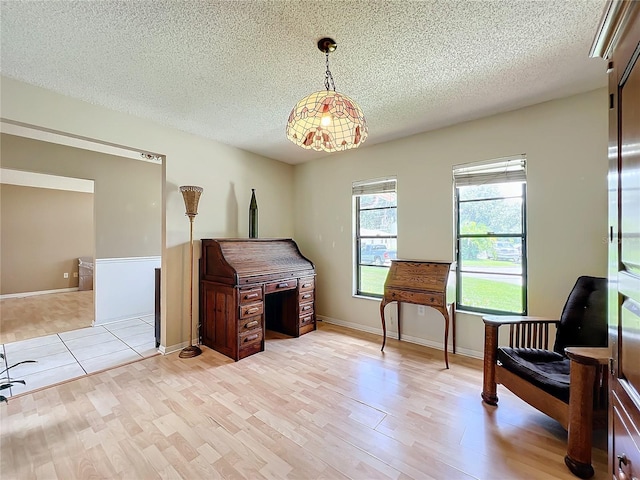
191	197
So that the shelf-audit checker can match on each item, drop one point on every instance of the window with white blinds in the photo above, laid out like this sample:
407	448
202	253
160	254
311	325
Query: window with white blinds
375	233
503	170
371	187
491	236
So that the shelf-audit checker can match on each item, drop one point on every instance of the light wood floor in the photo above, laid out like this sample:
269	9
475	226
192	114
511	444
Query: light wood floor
40	315
326	405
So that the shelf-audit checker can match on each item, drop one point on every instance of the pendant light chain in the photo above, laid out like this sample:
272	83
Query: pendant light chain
328	78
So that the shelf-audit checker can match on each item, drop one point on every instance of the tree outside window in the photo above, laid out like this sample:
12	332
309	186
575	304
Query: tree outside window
491	267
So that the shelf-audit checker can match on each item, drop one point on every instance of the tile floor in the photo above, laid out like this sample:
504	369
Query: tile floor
69	355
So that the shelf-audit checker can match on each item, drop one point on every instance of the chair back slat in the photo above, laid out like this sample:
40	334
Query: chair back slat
539	335
529	335
546	337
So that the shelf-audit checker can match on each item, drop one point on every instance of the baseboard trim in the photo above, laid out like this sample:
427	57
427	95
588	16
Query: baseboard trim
405	338
42	292
172	348
109	321
355	326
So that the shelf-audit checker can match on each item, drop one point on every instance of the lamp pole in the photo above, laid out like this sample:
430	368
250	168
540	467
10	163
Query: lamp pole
191	195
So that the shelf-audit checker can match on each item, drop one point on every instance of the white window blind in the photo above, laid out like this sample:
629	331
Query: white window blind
372	187
501	170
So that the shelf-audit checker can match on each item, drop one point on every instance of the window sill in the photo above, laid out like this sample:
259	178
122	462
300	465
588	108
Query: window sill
484	314
367	297
475	314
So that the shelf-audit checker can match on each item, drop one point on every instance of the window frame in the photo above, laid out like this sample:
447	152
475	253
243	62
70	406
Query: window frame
504	177
369	187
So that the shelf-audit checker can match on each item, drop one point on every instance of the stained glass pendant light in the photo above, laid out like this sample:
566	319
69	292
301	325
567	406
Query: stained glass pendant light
327	120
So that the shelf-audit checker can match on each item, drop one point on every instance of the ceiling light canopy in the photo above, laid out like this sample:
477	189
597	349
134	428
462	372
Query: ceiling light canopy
327	120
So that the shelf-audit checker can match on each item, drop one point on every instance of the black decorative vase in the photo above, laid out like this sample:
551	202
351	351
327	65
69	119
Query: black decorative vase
253	215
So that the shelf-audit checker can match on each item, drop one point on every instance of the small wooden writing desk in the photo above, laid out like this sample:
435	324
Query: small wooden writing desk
421	283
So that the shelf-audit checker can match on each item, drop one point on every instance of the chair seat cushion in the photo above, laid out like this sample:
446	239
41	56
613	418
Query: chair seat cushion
545	369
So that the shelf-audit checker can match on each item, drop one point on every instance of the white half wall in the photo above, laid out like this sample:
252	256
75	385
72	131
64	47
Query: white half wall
124	288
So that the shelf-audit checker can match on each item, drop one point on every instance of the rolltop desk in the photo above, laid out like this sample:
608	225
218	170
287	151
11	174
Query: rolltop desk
250	285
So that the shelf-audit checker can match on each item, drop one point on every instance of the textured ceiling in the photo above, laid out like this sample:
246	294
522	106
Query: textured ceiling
232	70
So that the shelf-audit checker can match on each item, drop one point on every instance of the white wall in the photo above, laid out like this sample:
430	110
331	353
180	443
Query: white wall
565	142
226	174
124	288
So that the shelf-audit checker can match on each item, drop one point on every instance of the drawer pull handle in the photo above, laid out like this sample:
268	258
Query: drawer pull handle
251	310
251	338
306	295
249	296
306	307
251	324
622	460
282	285
306	285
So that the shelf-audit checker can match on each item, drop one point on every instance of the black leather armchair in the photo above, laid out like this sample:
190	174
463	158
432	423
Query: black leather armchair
568	383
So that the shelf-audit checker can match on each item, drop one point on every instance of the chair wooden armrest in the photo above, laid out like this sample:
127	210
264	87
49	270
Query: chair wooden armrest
512	319
498	320
589	355
524	331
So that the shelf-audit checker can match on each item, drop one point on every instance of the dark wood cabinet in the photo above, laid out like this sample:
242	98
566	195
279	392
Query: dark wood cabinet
250	285
618	41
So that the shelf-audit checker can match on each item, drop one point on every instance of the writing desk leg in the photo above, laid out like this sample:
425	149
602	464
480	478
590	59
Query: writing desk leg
399	308
453	325
446	339
384	325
